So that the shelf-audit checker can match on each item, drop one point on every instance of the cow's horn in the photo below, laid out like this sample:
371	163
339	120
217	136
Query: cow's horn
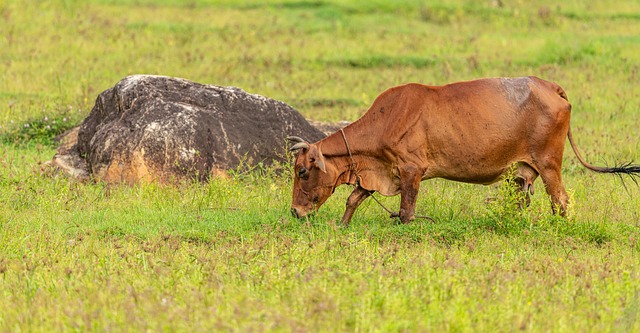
299	145
295	139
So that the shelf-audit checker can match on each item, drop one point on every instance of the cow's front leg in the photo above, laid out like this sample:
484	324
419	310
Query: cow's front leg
410	177
355	199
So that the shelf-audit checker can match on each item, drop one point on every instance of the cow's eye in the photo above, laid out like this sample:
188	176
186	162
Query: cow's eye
316	199
302	173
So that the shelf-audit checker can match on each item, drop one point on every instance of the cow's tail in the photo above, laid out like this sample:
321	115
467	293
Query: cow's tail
630	169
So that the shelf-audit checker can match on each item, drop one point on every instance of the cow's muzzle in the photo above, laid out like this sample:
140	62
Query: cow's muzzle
298	213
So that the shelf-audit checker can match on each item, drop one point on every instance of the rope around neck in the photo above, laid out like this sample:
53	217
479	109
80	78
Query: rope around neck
392	214
353	163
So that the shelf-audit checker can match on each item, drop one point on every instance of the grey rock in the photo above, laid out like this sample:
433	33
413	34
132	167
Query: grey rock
156	128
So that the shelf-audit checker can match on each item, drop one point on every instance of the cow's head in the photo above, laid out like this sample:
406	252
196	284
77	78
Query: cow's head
314	179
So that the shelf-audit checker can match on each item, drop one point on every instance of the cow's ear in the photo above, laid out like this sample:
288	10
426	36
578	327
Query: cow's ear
320	163
316	157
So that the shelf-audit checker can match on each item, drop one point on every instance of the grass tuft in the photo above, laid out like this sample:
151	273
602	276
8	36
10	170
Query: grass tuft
40	130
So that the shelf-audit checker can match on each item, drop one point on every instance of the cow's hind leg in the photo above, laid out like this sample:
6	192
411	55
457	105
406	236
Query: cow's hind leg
552	179
355	199
410	177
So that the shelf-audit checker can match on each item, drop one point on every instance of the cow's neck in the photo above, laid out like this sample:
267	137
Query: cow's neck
334	149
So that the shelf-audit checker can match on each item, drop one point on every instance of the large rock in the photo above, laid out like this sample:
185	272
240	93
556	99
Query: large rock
155	128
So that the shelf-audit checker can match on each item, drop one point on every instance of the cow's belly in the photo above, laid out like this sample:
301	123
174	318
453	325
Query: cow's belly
474	168
475	176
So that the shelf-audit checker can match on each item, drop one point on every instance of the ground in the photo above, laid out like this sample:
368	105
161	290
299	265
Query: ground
227	256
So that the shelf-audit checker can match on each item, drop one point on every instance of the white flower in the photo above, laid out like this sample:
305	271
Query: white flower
26	125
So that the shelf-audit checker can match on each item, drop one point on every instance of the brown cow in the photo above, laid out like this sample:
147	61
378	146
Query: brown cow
468	131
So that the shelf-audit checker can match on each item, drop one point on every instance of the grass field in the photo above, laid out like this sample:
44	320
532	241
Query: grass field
227	256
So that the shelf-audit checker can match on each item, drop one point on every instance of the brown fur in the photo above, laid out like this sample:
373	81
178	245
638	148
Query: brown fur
468	131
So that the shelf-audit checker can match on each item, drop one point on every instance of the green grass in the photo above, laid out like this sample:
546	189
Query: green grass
227	256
